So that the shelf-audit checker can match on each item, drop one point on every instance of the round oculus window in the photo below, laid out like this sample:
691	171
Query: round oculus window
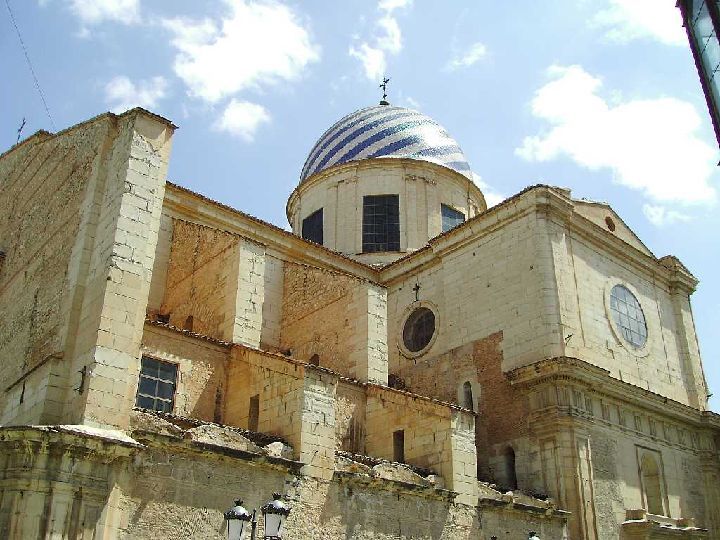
419	329
628	315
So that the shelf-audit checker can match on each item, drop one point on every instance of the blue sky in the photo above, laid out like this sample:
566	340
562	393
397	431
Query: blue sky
600	96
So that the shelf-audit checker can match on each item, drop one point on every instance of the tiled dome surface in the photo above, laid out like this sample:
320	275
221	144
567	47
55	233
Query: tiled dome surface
385	131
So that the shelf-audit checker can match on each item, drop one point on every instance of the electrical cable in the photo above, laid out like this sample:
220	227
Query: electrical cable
27	57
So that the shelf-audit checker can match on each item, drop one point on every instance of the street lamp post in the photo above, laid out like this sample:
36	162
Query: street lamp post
237	519
274	513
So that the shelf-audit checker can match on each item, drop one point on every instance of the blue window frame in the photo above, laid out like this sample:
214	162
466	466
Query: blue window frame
451	218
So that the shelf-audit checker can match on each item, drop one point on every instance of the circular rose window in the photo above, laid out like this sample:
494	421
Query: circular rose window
419	329
628	315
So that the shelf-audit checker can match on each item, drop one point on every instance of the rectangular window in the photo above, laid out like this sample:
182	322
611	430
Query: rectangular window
381	223
399	446
254	413
156	388
451	218
312	227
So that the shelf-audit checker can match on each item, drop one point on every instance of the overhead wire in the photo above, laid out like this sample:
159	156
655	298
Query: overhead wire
29	63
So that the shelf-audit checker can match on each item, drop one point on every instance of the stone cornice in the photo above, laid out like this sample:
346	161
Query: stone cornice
190	204
608	242
442	245
43	135
554	370
553	202
179	445
106	443
382	163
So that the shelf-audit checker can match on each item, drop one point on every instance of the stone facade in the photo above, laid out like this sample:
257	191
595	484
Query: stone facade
289	369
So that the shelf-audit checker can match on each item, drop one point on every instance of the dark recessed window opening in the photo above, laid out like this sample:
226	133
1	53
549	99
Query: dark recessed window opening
451	218
510	471
381	223
156	389
312	227
419	329
189	323
628	315
399	446
468	401
254	413
314	360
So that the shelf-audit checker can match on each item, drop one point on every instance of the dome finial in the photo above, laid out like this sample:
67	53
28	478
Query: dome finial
383	85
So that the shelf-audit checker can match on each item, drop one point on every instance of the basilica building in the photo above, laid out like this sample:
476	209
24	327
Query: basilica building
406	363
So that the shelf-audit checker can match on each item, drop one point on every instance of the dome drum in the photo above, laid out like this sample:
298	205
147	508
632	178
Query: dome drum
380	183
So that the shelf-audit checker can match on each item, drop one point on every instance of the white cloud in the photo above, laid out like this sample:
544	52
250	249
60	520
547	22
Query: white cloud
492	197
387	40
123	94
627	20
475	52
391	5
258	43
243	118
97	11
659	215
412	102
651	145
373	60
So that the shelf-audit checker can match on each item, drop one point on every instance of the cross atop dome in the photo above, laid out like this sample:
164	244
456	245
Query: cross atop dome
383	85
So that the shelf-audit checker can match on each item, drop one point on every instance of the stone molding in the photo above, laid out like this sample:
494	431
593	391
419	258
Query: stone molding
572	387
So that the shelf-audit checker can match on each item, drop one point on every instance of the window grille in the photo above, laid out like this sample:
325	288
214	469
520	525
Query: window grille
381	223
628	315
156	388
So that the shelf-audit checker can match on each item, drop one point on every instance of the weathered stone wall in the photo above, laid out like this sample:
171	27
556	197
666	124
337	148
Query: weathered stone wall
43	187
279	386
203	262
158	282
180	493
502	409
350	410
337	317
80	228
170	486
272	308
201	375
317	316
586	272
497	281
435	436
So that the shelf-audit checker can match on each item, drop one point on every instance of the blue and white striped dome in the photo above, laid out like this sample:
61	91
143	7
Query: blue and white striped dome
385	131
